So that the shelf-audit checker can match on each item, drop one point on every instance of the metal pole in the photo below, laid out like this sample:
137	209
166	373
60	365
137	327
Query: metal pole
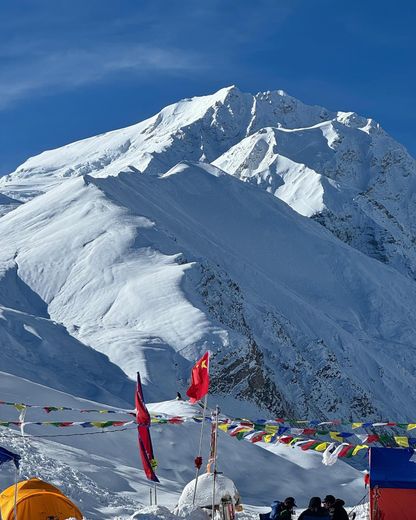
151	501
200	446
215	461
155	494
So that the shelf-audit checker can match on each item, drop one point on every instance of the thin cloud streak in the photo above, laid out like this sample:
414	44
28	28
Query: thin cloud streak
34	70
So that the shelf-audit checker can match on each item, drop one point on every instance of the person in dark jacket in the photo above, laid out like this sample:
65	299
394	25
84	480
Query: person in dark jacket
282	510
338	512
315	510
328	502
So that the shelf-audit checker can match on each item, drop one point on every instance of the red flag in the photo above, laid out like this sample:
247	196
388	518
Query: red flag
145	442
200	379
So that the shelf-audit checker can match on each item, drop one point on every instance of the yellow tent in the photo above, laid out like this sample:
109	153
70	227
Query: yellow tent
37	500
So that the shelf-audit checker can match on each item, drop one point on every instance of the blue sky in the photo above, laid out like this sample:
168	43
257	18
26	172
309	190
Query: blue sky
71	69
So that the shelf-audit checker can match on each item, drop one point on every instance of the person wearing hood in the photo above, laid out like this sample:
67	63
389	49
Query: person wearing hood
315	510
338	511
335	507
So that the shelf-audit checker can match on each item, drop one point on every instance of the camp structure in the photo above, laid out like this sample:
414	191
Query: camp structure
392	484
227	497
36	500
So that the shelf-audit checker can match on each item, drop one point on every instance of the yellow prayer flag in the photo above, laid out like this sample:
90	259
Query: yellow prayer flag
402	441
270	428
356	425
358	448
411	426
335	436
322	447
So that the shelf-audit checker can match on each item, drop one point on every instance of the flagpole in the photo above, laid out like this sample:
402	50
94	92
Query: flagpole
215	461
201	436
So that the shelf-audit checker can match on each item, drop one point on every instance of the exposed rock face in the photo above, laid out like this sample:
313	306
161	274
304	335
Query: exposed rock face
279	364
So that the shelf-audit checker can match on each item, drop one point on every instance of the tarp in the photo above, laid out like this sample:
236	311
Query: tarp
392	468
6	455
37	499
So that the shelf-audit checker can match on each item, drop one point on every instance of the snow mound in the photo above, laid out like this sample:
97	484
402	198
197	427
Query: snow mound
154	513
191	512
224	487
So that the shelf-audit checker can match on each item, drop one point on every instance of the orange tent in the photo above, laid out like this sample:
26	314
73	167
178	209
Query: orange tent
37	500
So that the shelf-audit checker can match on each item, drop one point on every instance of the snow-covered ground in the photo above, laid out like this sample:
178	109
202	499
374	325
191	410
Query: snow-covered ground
102	473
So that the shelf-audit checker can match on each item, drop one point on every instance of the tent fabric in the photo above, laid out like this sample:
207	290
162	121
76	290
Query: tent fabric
392	468
37	500
392	504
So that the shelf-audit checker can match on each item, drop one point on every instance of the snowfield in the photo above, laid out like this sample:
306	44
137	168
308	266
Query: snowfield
277	235
101	472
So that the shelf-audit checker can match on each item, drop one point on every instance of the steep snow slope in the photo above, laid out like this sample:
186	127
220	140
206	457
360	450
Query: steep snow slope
34	346
102	472
259	159
347	173
154	270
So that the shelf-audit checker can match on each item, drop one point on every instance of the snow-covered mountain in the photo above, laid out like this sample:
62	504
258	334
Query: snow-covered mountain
277	235
337	167
249	278
153	270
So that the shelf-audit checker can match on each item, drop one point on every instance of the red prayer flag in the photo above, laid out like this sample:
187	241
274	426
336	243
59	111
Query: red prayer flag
145	442
308	445
200	379
344	451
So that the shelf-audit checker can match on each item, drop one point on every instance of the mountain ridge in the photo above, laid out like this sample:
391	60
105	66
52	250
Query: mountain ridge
339	168
196	259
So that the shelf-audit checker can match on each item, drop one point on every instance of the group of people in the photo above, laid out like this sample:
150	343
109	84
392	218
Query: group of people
330	508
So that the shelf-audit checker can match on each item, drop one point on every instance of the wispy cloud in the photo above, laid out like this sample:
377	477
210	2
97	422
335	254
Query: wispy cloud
58	46
28	70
